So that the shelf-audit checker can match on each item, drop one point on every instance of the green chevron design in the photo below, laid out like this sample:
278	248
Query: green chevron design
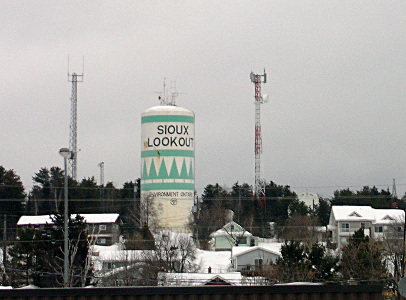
163	172
174	170
183	172
152	171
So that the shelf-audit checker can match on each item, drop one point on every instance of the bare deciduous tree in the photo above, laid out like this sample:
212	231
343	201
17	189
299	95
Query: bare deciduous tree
174	253
300	228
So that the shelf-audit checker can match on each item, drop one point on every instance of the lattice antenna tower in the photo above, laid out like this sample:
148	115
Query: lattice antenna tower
394	194
259	183
101	166
74	78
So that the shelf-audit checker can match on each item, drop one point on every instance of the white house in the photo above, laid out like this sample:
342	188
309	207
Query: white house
377	223
252	258
232	234
104	228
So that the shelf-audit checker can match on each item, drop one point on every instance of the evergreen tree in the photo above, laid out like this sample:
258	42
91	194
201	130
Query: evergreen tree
38	258
362	258
366	196
322	211
130	207
22	263
300	263
47	192
274	208
212	194
293	265
324	265
12	196
86	197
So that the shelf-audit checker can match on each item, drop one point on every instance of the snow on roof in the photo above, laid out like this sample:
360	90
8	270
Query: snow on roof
89	218
239	230
349	212
273	246
219	261
100	218
387	216
34	220
367	213
121	255
237	251
193	279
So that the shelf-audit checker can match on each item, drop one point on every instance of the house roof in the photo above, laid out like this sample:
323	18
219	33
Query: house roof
193	279
218	261
89	218
367	213
225	231
238	251
387	216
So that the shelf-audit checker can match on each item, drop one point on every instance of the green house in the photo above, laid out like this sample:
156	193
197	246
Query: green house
232	235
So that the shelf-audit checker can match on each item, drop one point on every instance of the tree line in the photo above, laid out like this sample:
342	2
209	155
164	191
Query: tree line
278	206
36	257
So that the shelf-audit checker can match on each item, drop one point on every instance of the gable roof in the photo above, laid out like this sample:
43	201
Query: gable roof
89	218
193	279
352	213
227	231
238	251
367	213
388	216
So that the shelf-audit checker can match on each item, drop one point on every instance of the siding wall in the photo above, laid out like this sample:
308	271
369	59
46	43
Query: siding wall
249	258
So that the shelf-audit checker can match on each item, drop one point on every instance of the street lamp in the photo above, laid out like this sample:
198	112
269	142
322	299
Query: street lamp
66	154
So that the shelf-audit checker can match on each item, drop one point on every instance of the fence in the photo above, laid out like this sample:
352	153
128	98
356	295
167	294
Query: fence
275	292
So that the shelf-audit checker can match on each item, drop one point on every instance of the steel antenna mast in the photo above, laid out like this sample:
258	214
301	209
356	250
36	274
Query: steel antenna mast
101	166
259	183
73	129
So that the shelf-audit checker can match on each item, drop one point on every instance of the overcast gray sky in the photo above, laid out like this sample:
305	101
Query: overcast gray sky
336	80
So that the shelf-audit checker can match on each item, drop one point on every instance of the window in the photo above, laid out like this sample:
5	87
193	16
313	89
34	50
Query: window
102	241
345	227
234	262
258	263
398	229
378	229
242	241
363	226
102	227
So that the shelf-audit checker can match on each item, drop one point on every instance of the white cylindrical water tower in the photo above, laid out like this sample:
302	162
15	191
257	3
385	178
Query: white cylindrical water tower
168	164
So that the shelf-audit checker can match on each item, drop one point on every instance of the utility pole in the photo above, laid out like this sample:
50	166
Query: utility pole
4	249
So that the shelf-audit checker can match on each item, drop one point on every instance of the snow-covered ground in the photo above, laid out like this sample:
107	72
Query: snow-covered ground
218	261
